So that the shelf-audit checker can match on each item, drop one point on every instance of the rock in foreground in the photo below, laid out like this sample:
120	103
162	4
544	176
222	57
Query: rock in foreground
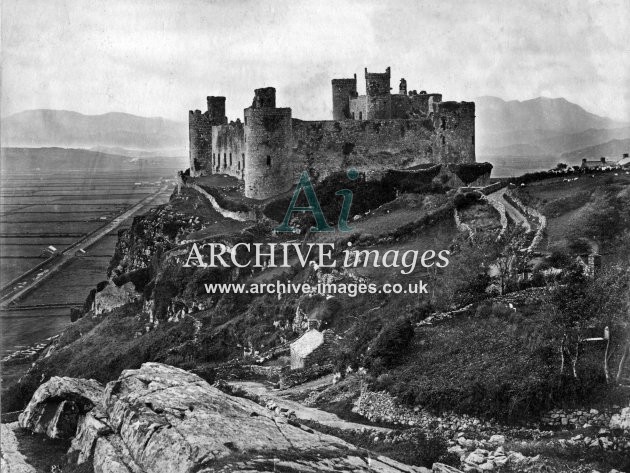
58	404
163	419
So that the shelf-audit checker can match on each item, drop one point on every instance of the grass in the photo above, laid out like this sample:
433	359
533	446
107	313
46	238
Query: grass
506	368
416	449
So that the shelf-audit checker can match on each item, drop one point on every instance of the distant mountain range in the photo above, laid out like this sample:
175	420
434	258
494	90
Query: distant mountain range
541	126
62	128
530	128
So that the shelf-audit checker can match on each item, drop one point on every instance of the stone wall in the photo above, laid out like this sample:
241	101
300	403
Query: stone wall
302	375
328	146
533	216
228	149
578	418
234	215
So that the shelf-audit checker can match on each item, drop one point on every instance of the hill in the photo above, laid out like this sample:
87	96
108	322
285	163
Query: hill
540	126
612	148
541	113
27	160
63	128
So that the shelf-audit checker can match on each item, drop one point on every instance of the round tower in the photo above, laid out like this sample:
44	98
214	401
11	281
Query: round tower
268	133
378	94
342	91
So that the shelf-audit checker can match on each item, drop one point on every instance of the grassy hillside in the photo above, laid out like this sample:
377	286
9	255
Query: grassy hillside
490	360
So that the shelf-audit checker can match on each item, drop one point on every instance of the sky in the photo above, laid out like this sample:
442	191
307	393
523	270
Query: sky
163	57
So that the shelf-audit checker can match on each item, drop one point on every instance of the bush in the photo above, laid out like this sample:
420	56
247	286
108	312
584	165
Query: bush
463	200
390	344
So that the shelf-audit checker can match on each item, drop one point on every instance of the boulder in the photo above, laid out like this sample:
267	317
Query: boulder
113	296
163	419
57	405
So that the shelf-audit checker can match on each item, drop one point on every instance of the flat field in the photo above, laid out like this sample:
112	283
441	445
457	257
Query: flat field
56	205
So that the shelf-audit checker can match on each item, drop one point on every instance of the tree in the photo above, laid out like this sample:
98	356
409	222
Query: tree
581	302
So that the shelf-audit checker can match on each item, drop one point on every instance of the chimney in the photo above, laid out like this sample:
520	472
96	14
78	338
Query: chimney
602	159
583	160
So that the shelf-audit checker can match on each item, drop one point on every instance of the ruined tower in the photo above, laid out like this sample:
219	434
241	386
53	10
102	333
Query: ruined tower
268	136
216	110
342	91
378	95
200	135
402	88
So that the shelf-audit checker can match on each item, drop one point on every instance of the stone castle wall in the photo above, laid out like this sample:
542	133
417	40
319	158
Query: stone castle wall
228	149
375	131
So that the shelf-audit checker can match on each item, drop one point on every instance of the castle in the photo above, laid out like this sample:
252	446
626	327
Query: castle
378	130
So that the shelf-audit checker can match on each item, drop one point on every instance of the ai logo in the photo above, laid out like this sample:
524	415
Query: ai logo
313	206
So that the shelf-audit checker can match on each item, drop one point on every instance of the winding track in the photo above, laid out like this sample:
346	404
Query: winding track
512	211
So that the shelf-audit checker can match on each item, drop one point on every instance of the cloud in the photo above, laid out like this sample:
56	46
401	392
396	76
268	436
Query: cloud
154	57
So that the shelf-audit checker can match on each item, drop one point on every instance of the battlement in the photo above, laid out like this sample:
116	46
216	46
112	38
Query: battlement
216	110
264	98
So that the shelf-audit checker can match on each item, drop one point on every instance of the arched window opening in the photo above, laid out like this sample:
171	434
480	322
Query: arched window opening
268	160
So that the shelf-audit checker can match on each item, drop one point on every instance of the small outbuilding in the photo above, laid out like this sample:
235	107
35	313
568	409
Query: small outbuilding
586	164
312	348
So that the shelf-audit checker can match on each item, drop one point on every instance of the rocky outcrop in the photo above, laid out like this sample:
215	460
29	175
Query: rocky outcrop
58	404
113	296
159	418
11	460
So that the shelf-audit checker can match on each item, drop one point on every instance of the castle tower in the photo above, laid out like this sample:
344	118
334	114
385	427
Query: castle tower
402	88
268	135
199	143
342	91
216	110
378	95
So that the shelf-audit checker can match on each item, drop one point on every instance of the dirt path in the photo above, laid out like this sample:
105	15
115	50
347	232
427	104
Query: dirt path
302	412
512	211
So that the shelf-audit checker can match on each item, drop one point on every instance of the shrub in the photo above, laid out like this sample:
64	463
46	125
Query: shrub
390	344
463	200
